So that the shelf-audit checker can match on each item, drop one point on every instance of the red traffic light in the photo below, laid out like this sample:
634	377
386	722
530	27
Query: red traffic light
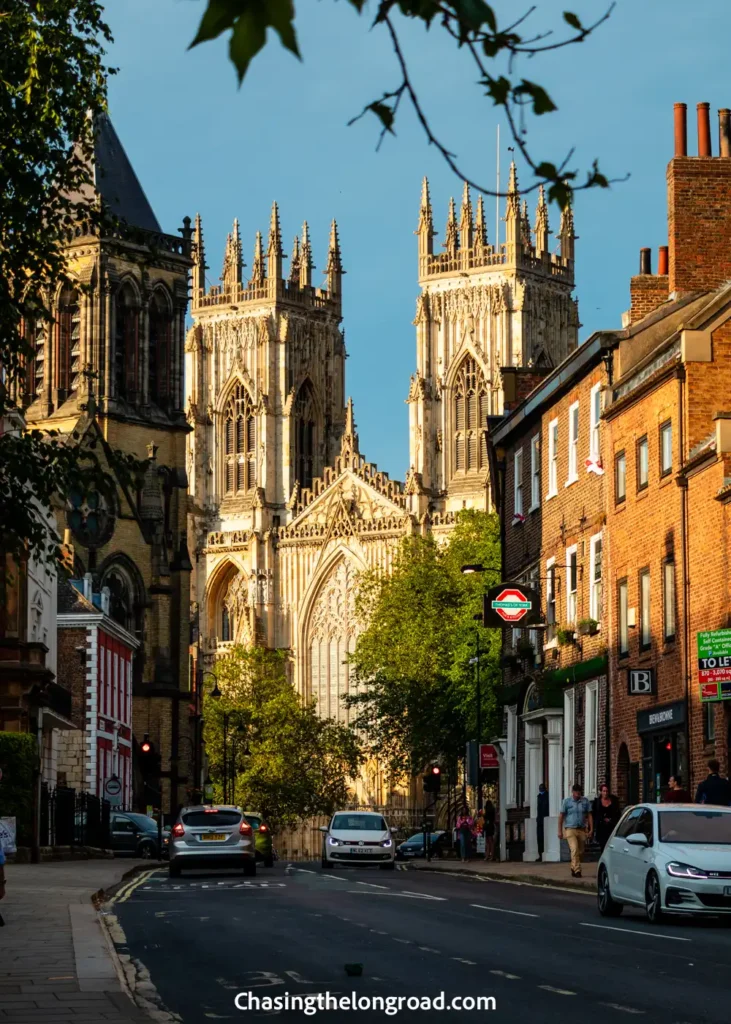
436	770
146	747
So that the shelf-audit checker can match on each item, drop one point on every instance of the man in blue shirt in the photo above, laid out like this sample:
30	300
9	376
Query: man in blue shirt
575	825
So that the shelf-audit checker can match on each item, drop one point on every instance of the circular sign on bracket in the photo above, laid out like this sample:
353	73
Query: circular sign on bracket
113	786
511	604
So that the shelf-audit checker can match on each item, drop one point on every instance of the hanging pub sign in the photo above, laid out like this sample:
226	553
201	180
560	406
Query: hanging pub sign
714	664
511	604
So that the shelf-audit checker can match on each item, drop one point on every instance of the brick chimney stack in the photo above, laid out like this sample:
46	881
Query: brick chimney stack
648	290
699	205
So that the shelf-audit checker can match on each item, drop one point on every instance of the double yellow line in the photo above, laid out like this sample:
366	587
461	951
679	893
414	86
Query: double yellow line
126	891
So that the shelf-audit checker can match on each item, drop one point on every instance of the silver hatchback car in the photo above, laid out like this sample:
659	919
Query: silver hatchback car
207	837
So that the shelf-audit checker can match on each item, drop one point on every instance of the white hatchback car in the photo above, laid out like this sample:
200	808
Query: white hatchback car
669	859
358	837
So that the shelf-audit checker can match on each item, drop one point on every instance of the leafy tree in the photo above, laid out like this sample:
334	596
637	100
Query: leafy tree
416	701
298	764
472	25
53	83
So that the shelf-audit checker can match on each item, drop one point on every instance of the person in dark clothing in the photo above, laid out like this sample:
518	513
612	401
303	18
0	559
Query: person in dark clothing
489	830
676	794
714	789
606	814
541	815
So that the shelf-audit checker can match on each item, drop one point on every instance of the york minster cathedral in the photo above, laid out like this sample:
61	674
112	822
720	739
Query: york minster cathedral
285	507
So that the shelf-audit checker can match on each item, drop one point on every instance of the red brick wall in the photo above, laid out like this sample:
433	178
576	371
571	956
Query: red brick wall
71	671
699	222
647	292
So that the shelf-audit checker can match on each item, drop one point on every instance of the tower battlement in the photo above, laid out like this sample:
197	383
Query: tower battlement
267	282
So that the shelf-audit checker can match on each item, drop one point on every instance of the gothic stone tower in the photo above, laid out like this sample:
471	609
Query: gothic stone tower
108	372
265	364
481	308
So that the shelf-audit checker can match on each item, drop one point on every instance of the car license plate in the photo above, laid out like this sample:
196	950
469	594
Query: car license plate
359	849
211	837
727	890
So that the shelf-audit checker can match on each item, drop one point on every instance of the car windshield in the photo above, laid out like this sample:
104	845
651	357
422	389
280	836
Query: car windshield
701	826
202	819
418	838
358	823
142	821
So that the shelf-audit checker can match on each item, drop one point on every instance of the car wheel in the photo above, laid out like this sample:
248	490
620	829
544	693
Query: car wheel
653	899
146	851
174	870
250	867
608	907
390	866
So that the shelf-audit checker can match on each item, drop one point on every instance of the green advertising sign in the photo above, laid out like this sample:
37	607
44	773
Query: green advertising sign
714	664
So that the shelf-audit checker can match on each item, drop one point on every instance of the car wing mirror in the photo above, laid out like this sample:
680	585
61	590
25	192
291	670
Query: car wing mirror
393	830
637	839
323	828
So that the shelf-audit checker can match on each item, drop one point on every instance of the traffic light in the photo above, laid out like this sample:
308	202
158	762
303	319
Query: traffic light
433	779
149	759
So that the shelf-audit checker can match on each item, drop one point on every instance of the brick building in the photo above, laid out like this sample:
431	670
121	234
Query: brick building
614	486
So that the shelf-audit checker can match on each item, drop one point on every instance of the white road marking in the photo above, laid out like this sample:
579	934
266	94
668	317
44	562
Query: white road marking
558	991
408	895
428	949
504	974
459	960
623	1009
373	885
423	895
376	932
404	942
336	877
635	931
306	871
502	910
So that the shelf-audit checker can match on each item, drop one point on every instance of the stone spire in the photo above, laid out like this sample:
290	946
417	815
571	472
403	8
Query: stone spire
334	269
199	257
480	224
541	228
294	263
566	233
451	235
274	247
512	215
232	260
306	258
525	235
425	230
257	267
349	440
466	226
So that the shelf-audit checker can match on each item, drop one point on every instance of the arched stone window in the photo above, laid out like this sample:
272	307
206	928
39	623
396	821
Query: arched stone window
305	435
227	624
471	408
239	442
121	596
160	349
331	638
68	340
126	344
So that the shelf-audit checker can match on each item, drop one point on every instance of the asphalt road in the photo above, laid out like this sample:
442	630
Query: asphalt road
543	955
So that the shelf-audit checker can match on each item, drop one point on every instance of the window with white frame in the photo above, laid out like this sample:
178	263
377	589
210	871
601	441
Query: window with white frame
535	472
511	756
518	482
573	443
569	737
552	458
596	412
572	574
534	583
668	579
595	576
591	732
550	600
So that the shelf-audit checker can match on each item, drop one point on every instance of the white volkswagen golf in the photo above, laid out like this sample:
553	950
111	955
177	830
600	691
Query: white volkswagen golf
358	837
669	859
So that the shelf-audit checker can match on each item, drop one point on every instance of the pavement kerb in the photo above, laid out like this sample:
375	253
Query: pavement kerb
537	880
102	895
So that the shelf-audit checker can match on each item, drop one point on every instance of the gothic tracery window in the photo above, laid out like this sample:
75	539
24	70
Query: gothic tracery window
239	442
121	596
471	408
126	344
305	419
160	348
331	638
68	340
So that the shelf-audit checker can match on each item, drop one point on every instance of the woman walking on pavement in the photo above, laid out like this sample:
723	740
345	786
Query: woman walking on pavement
606	814
465	825
489	830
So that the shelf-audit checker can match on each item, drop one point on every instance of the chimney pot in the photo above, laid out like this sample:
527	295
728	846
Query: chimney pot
704	129
680	111
724	132
645	261
662	260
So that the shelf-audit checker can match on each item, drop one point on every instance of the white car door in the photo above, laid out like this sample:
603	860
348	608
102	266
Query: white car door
617	854
637	859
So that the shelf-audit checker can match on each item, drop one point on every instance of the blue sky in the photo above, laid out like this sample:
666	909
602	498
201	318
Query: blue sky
199	144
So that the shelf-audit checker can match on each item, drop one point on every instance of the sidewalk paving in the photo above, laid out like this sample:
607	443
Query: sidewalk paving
55	964
554	875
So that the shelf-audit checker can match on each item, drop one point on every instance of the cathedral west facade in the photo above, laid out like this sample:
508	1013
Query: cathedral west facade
285	509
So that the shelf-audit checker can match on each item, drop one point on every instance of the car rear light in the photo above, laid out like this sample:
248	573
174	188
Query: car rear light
263	828
178	830
245	828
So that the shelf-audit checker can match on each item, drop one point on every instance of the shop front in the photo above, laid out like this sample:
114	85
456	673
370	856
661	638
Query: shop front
662	730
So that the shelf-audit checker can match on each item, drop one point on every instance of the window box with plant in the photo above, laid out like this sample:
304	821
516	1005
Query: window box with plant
565	635
587	627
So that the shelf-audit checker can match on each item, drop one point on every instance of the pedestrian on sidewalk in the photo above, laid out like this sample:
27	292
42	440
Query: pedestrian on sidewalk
676	794
465	825
489	829
575	825
714	789
606	814
541	815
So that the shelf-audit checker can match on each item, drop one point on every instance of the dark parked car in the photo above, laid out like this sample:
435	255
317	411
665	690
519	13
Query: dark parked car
414	846
262	838
135	834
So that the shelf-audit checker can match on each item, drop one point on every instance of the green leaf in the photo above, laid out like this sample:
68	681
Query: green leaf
499	89
249	21
219	15
561	193
542	102
384	113
571	19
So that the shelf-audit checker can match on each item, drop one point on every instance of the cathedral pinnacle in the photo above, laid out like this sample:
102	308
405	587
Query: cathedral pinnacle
566	234
541	228
199	257
465	224
232	260
480	224
274	247
334	268
512	207
349	440
257	267
451	237
294	263
525	235
306	258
